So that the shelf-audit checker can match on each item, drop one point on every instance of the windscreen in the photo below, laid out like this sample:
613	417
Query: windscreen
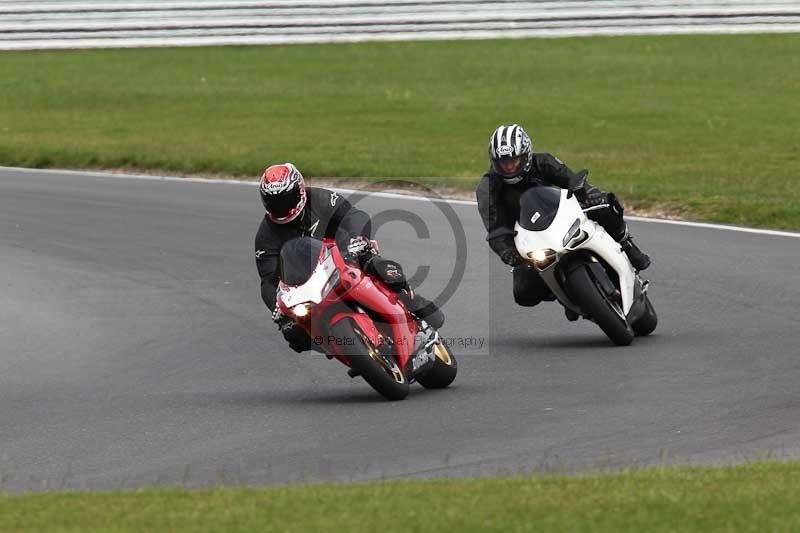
299	258
538	207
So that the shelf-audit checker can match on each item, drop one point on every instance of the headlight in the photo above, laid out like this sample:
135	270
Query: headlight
538	255
542	258
301	310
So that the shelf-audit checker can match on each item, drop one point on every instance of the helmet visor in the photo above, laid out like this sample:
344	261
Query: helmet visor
509	166
280	205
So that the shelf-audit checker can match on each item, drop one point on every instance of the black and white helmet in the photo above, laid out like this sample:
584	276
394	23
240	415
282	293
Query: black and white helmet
510	152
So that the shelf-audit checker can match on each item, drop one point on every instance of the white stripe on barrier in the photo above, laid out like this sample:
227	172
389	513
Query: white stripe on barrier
436	36
91	24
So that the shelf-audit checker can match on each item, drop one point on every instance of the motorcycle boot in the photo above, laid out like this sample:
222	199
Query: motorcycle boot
638	258
422	308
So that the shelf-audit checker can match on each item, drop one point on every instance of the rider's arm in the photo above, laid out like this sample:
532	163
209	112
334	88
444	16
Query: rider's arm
349	219
499	233
267	262
344	220
268	270
554	170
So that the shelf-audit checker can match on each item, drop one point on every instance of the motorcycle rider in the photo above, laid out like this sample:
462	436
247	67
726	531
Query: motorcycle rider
294	210
516	168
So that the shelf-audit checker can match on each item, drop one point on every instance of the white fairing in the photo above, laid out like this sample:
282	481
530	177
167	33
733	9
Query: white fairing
598	242
313	290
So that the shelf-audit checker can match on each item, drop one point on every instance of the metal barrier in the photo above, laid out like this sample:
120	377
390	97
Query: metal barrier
41	24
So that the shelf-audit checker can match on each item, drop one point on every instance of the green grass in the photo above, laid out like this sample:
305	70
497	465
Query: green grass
707	126
754	497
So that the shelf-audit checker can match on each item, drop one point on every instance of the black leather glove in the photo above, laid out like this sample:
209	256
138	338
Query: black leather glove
296	336
360	250
512	258
359	246
280	319
591	198
298	339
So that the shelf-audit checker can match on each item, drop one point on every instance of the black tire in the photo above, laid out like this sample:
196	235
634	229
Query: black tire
598	307
648	322
445	368
365	360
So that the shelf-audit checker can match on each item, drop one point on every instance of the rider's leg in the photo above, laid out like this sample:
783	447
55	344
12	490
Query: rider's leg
422	308
391	274
610	218
639	259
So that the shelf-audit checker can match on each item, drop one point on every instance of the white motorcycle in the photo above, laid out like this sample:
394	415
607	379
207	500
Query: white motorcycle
582	265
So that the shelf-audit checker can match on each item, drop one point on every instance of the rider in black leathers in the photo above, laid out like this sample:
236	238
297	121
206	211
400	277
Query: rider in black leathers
514	169
294	210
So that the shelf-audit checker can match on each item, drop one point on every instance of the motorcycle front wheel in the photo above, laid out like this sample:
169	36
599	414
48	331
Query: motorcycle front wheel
444	369
381	372
599	307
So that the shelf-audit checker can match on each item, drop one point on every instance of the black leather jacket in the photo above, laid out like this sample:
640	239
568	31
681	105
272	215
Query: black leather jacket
326	214
498	202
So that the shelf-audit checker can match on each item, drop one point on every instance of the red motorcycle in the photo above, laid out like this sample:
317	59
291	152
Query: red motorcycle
352	316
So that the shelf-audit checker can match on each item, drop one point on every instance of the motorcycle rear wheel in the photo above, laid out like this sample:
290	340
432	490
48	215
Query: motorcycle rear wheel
445	368
384	375
594	302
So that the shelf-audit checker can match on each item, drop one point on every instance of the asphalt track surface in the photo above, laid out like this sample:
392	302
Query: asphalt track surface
135	351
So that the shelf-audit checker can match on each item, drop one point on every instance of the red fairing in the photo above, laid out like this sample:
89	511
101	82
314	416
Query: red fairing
372	294
356	287
364	322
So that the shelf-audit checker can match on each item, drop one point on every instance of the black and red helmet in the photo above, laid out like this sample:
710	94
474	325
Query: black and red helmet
283	193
